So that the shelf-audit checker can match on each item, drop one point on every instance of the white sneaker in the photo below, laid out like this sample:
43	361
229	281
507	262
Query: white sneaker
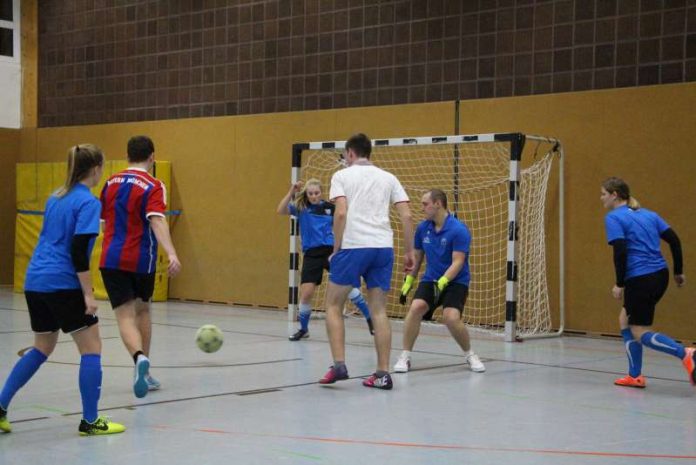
475	363
152	383
403	364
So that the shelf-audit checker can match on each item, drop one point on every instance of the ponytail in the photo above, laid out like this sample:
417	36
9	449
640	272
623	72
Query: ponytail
633	204
81	160
619	187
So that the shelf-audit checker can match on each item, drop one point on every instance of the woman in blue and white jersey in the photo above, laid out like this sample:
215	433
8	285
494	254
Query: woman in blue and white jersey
315	219
641	277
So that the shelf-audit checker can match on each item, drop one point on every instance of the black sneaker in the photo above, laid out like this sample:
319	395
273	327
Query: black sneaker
370	327
300	334
100	426
4	423
379	382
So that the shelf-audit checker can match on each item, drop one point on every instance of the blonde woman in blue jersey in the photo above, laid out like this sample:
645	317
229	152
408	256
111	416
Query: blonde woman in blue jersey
641	277
315	219
58	289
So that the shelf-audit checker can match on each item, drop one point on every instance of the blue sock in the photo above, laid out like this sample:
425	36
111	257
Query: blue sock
634	352
90	385
305	313
22	372
359	301
662	343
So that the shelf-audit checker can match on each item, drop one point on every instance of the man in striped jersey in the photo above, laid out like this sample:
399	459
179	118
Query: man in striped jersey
133	208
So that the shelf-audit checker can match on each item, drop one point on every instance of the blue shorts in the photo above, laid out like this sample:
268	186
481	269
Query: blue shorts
374	265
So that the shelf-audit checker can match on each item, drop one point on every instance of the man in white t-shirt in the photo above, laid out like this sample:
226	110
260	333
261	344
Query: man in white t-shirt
364	248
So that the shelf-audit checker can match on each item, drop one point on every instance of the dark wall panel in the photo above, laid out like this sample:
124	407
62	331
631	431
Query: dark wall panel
105	61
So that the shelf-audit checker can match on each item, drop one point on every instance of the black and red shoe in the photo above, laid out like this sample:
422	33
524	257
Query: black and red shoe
334	374
379	382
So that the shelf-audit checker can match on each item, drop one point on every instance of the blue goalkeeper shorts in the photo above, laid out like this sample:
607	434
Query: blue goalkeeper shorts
374	265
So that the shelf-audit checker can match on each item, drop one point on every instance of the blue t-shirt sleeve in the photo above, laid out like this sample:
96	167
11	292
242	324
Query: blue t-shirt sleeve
418	237
88	217
613	228
461	241
292	209
661	224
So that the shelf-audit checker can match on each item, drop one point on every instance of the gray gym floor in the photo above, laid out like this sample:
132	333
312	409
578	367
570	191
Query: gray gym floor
257	400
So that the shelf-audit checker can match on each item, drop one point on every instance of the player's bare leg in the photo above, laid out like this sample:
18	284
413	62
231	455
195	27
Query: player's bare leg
377	301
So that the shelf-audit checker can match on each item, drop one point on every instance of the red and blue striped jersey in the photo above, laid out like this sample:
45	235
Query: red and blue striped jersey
128	199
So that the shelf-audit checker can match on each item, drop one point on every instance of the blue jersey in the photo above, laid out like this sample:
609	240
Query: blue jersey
439	245
316	224
641	230
51	267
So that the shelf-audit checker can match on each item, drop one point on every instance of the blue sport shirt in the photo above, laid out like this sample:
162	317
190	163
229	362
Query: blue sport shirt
51	267
641	229
439	245
316	224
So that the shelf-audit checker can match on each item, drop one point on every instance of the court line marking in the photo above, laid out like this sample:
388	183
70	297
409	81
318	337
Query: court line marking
416	445
229	365
237	393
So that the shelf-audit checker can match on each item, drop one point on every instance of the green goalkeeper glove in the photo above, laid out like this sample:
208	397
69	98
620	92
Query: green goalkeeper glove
438	287
442	283
406	288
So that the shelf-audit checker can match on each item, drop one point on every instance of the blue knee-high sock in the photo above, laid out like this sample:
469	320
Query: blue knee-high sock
90	385
305	313
22	372
359	301
634	352
662	343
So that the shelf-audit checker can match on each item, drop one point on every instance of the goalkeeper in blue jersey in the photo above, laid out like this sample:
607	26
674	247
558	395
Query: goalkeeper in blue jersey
641	277
315	218
445	242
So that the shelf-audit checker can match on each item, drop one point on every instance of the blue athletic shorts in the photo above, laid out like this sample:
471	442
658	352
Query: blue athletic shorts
374	265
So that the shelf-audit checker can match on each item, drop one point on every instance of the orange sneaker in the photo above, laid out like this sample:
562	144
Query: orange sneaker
689	362
630	381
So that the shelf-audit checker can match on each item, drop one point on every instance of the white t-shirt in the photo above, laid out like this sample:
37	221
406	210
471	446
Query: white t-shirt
369	192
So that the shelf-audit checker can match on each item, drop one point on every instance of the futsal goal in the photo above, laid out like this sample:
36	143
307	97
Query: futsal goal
498	185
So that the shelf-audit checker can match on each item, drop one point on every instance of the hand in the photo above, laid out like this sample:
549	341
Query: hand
442	283
680	279
406	288
174	265
409	261
90	305
297	187
617	292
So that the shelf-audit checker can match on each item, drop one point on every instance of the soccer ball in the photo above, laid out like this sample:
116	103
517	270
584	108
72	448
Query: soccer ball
209	338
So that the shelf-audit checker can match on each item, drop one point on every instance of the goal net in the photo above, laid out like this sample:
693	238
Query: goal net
491	191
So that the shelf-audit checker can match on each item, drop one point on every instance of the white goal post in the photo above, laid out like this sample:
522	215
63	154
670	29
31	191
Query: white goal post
500	199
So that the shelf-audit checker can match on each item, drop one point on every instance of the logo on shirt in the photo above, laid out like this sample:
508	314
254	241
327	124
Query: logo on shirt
443	242
128	180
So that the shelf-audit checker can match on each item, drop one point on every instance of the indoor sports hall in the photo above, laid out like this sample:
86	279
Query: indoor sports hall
520	112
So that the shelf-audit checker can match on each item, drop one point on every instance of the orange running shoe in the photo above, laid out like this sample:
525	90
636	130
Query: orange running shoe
630	381
689	362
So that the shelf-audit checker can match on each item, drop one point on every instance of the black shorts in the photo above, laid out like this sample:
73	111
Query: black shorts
641	294
65	310
314	262
124	286
454	296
